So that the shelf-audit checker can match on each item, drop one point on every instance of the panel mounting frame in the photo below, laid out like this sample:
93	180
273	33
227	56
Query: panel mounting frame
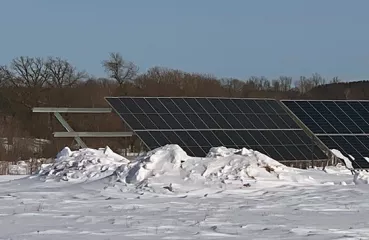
115	102
70	131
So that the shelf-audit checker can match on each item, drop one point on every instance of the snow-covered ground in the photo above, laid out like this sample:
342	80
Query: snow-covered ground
230	194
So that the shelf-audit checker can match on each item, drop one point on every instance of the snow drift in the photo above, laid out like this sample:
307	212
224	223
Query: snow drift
82	165
339	155
169	168
221	164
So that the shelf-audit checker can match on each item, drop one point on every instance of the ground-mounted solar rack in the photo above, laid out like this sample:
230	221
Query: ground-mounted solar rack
199	123
70	131
339	124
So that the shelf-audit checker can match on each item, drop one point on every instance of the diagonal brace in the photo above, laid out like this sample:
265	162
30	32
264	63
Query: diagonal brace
62	121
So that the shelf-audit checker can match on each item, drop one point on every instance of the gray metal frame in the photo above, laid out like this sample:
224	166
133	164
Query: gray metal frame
70	110
70	131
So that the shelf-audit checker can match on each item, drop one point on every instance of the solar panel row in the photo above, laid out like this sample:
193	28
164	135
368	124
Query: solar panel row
202	113
353	147
197	124
331	117
341	125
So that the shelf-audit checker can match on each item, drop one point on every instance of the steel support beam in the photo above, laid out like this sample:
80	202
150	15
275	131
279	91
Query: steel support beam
70	110
93	134
70	131
67	127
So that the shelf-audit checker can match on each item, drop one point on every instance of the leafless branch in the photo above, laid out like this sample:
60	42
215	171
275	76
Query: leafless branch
28	72
62	74
119	69
5	76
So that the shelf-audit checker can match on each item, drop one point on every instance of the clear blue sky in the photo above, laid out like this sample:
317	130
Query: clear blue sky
227	38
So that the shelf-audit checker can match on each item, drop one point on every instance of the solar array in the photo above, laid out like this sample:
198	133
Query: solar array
197	124
339	124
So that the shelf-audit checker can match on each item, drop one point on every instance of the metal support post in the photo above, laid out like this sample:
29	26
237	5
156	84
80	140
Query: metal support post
67	127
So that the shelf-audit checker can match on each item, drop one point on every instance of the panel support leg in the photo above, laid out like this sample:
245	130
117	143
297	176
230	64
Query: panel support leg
67	127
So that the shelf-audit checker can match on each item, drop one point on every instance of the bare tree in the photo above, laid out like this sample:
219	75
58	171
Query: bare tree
28	72
317	79
304	84
254	82
62	74
285	83
5	76
119	69
335	80
233	86
265	83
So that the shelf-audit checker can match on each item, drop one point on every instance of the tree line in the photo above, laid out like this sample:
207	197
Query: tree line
28	82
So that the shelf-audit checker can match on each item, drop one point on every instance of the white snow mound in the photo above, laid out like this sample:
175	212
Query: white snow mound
361	177
82	165
347	161
171	166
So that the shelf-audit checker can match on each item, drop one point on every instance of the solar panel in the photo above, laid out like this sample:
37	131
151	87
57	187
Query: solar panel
339	124
197	124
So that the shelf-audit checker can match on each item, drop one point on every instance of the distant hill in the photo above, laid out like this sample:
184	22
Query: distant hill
336	91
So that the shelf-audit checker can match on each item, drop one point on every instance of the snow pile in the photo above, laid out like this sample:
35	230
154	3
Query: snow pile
164	160
338	169
222	152
82	165
339	155
361	178
170	167
20	168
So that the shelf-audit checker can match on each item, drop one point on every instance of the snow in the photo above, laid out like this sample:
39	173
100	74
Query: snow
347	161
165	194
21	168
82	165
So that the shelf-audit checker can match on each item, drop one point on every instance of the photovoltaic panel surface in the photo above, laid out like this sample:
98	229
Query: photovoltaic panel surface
197	124
339	124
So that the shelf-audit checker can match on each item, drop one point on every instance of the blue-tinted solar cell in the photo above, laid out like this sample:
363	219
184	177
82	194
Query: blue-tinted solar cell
148	139
197	124
170	105
285	153
276	106
231	106
195	105
273	153
304	117
221	121
206	104
171	121
266	106
131	105
144	120
157	105
209	121
365	105
183	105
344	117
353	150
219	106
117	105
240	103
159	121
131	121
341	125
144	105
